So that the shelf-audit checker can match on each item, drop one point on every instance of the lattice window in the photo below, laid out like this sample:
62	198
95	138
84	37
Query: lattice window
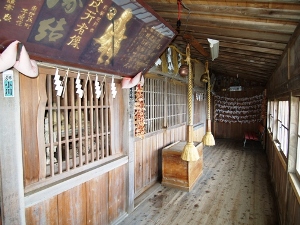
283	125
271	115
176	105
77	130
199	108
154	104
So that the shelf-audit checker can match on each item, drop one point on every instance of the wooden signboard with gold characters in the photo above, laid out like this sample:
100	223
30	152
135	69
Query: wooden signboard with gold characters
121	37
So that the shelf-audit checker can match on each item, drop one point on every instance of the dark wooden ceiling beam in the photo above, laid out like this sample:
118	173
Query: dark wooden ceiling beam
236	33
252	76
231	71
239	48
242	58
245	66
285	27
202	38
277	12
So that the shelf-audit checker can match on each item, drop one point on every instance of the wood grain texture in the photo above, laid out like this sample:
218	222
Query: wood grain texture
97	200
252	34
43	213
117	193
148	153
234	189
178	173
72	206
29	99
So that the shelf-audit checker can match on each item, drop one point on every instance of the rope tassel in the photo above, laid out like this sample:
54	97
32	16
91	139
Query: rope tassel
190	152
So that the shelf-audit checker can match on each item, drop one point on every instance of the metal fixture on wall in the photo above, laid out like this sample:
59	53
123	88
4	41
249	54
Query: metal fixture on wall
214	48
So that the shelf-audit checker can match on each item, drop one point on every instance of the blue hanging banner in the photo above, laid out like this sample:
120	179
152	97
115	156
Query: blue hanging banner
8	83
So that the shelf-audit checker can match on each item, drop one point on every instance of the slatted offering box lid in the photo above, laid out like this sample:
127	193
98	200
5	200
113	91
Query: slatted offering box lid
121	37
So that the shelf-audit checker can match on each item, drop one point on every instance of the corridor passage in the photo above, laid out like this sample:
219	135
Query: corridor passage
235	189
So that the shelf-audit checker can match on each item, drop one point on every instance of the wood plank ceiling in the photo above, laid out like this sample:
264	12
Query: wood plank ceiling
252	34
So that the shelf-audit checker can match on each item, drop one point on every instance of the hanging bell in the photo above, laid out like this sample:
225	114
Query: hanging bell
204	78
184	70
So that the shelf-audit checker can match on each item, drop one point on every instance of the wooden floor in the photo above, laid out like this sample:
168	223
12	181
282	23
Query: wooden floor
234	188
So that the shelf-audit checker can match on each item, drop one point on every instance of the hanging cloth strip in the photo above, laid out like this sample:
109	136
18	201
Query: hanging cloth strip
179	15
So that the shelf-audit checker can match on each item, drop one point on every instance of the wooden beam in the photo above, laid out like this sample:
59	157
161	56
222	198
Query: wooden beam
196	44
274	11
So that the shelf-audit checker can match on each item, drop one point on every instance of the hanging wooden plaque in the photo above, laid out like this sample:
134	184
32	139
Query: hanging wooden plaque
121	37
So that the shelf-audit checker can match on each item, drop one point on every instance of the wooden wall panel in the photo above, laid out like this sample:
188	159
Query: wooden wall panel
235	130
294	58
147	149
280	179
287	201
154	159
101	200
97	200
72	206
293	207
148	156
117	193
199	133
138	166
160	146
117	113
30	99
43	213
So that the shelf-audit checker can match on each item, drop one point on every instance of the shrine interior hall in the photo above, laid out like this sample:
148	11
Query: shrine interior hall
150	112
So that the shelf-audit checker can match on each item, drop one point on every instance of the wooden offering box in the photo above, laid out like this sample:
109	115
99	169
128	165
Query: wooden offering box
177	172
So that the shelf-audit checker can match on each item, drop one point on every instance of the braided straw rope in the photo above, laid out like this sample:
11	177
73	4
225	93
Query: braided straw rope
190	152
190	88
208	98
208	138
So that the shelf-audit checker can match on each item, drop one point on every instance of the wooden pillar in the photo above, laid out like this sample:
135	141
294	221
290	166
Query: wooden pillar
275	119
11	166
128	144
293	133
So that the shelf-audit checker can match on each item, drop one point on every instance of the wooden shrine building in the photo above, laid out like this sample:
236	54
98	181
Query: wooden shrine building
102	101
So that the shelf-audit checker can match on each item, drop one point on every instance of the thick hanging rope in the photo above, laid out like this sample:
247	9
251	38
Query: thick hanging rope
208	138
190	152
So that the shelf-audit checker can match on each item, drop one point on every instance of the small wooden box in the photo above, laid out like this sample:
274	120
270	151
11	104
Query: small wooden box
177	172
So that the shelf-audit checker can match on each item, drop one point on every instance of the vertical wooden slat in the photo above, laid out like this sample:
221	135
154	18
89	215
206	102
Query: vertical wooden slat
103	152
97	204
66	125
138	181
80	131
91	120
97	127
166	108
86	128
43	213
146	158
59	136
50	118
151	97
117	193
72	115
72	206
107	116
162	94
41	125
